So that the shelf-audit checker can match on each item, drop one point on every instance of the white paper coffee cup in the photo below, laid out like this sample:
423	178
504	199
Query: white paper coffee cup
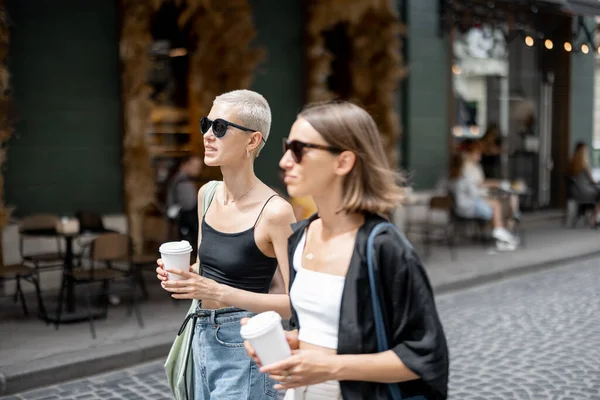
266	335
176	255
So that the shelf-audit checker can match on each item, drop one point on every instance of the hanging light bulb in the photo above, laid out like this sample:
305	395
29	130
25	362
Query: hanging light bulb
548	43
568	46
585	49
529	41
598	50
456	70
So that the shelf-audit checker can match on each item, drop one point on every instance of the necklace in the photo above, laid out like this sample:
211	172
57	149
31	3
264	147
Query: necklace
226	202
310	255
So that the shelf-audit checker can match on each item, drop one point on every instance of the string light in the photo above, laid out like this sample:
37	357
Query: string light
529	41
548	43
456	70
585	49
568	46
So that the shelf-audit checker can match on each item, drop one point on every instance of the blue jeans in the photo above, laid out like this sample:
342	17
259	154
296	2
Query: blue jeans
483	210
222	369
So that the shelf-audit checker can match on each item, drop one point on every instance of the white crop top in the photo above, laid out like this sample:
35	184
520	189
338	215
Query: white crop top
317	298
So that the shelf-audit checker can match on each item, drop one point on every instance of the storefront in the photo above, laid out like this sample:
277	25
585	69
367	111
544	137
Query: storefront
523	67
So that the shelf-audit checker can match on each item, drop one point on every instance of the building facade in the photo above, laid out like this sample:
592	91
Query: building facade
66	153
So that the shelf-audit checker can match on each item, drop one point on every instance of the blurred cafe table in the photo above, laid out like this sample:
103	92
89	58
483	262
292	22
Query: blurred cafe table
516	188
69	231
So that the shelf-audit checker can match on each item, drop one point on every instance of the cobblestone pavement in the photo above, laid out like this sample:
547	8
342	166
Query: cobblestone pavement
533	337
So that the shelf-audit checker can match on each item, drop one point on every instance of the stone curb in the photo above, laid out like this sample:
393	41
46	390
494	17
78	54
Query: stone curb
58	368
79	364
510	273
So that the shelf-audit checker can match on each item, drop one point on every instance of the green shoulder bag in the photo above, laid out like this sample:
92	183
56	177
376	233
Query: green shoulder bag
180	365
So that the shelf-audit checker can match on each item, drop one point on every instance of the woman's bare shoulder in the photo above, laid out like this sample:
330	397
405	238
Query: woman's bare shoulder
278	211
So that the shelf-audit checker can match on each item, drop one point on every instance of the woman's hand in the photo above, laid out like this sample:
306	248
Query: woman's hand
161	274
192	286
291	336
303	368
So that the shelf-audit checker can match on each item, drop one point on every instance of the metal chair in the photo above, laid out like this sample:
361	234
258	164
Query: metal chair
106	249
438	204
18	272
36	227
461	225
582	209
155	231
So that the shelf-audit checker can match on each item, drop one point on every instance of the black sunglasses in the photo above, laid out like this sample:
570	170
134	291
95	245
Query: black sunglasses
220	126
297	148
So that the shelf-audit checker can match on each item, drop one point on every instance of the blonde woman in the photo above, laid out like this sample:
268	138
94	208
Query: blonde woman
242	240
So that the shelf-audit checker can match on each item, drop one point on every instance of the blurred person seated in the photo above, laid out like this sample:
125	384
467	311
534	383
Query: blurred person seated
472	153
469	202
182	199
491	152
585	189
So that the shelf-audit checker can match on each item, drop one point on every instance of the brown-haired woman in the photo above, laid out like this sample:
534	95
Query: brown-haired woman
334	154
585	189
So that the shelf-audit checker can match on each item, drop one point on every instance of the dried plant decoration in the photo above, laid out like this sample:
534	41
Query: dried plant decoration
138	175
223	56
375	67
6	106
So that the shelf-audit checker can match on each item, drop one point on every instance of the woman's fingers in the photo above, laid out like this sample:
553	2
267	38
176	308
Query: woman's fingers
161	274
178	289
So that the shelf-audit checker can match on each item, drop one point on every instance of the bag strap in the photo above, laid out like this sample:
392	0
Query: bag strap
208	194
207	197
380	331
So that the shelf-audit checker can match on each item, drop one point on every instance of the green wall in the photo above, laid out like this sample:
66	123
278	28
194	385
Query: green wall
66	151
582	96
426	126
280	78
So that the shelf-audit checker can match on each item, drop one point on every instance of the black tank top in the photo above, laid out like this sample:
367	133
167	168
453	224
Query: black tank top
235	260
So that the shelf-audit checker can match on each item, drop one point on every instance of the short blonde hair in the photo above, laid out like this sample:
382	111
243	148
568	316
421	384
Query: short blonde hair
252	111
372	186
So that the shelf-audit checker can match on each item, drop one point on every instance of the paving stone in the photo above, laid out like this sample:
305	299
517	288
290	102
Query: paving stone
527	337
532	337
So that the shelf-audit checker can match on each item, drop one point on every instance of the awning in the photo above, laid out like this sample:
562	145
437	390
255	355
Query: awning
577	7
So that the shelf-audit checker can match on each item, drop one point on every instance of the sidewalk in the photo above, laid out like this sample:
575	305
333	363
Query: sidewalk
34	355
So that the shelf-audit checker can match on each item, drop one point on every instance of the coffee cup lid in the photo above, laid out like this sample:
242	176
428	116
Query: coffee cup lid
260	324
175	247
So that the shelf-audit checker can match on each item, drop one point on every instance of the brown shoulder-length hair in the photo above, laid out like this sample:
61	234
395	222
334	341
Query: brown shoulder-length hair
580	161
372	186
457	161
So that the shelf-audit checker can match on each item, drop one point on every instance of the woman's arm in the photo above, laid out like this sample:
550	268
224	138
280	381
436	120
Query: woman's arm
383	367
309	367
277	284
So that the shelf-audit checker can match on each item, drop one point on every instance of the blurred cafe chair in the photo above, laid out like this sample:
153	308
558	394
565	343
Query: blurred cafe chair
19	273
108	250
36	227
